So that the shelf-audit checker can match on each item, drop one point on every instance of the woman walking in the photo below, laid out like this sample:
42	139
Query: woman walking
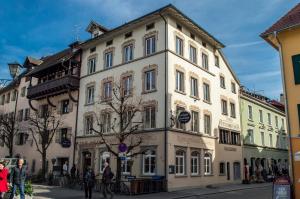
3	180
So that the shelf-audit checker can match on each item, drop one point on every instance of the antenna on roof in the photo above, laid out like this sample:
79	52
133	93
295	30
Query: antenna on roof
76	32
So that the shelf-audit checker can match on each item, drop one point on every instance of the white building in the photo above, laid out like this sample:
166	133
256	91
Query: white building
174	65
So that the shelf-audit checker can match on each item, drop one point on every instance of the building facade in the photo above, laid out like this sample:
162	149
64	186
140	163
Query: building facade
265	144
284	37
173	65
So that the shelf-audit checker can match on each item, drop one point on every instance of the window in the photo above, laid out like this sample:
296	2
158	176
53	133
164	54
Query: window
150	45
206	92
179	27
194	87
127	85
110	42
205	61
262	137
180	163
150	80
91	65
126	168
192	36
250	115
276	121
203	44
222	82
282	120
207	164
233	88
149	26
224	136
90	95
269	119
193	54
296	66
63	135
195	121
107	90
20	139
232	110
150	117
179	81
217	61
23	91
224	107
179	46
127	35
128	53
195	163
65	106
235	138
108	60
261	117
92	49
20	115
8	98
250	137
106	122
14	95
104	157
89	121
27	114
207	124
149	162
271	140
222	168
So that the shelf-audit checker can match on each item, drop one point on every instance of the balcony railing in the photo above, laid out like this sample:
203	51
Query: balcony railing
53	87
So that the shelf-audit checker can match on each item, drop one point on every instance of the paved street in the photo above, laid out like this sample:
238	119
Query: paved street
257	191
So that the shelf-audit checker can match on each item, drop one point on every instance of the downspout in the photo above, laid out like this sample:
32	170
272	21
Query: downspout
166	101
15	113
286	108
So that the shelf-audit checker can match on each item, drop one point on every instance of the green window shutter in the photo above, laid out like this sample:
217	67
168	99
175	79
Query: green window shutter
296	66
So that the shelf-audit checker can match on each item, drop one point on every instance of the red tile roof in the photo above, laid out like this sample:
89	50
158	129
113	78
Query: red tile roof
292	18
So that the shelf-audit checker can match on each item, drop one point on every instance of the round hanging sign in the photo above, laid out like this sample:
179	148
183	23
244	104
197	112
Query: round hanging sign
184	117
123	147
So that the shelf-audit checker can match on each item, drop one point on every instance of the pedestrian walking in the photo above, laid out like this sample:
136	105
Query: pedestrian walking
106	180
65	168
3	180
89	182
17	179
73	171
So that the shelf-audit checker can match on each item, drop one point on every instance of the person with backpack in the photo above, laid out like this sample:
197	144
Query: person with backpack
89	182
3	180
106	180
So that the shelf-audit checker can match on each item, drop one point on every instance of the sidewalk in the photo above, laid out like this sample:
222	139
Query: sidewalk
43	192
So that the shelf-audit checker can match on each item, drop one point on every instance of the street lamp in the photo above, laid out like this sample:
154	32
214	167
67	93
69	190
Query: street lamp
14	69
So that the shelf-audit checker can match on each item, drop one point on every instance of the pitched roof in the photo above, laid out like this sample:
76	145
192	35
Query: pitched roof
168	7
52	60
291	19
94	24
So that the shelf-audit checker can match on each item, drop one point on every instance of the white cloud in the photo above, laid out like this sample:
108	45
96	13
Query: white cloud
260	76
246	44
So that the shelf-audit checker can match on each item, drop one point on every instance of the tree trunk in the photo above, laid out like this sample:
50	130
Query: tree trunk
44	163
118	175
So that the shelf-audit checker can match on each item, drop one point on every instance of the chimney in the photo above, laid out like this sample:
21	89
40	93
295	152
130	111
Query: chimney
282	101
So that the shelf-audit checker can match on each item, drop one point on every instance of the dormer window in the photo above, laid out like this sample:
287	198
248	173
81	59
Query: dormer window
179	27
108	43
95	29
149	26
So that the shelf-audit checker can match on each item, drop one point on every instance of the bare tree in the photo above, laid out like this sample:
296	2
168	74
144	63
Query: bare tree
124	109
9	129
43	126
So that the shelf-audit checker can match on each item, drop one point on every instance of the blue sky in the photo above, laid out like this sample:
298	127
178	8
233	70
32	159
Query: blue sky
42	27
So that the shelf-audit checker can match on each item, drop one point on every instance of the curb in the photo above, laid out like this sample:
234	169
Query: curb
221	191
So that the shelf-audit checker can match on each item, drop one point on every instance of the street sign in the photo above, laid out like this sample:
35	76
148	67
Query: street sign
123	147
184	117
66	143
282	188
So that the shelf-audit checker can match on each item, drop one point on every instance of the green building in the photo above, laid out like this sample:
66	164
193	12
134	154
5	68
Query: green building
265	147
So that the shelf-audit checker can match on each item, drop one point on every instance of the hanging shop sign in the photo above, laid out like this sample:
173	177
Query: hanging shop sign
184	117
66	143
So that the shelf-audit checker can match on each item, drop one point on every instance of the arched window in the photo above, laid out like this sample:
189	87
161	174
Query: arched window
180	162
104	157
207	164
149	162
195	163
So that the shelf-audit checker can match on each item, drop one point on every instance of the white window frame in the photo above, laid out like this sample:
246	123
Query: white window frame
232	110
90	94
91	65
269	119
107	92
207	127
193	54
250	112
250	134
150	80
206	92
207	164
195	158
179	81
88	124
151	110
150	156
261	116
128	53
180	163
194	87
195	121
262	137
150	45
224	107
179	46
108	58
205	62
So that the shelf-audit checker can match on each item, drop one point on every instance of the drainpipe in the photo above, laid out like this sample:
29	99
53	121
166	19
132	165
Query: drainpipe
166	100
286	108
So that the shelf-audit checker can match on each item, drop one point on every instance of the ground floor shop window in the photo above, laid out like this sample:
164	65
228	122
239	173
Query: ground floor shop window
195	163
222	168
180	162
149	162
207	164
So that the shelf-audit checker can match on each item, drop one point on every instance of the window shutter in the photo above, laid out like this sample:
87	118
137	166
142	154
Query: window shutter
296	66
70	106
57	136
59	107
